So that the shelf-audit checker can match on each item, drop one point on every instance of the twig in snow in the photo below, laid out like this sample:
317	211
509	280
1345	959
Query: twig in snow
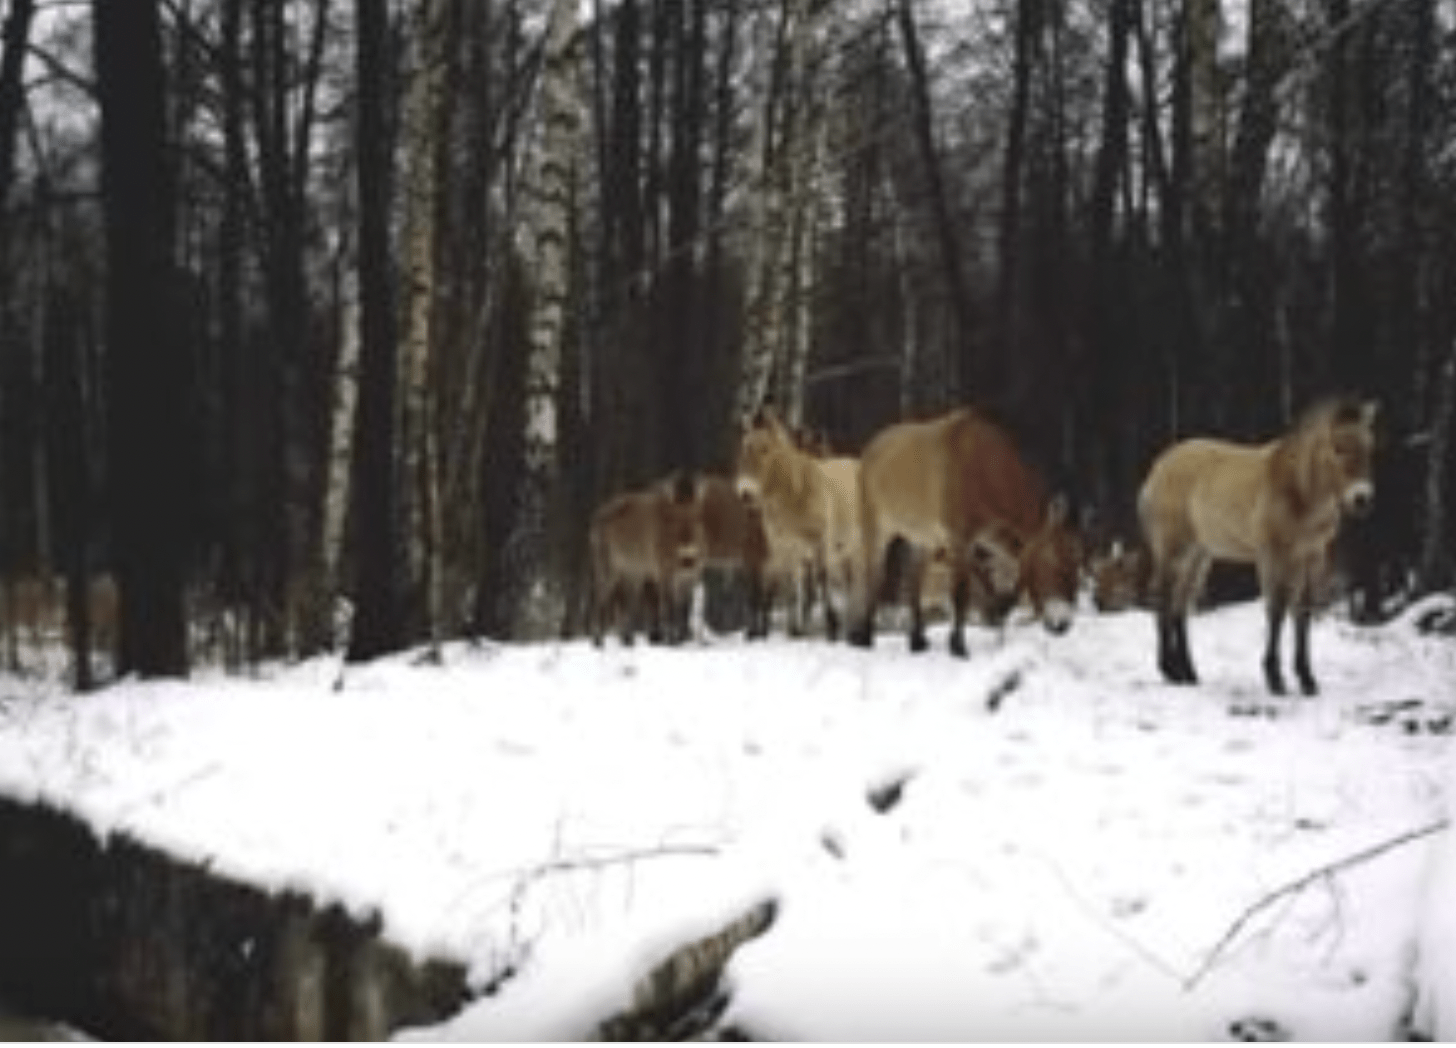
1299	884
1132	943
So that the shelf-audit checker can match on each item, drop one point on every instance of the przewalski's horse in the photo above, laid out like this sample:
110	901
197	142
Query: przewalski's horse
1276	505
809	511
734	540
955	485
1120	577
646	548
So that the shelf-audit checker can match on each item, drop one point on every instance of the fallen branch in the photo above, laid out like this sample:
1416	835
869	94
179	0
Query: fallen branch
1299	884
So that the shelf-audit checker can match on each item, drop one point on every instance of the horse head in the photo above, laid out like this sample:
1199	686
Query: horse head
763	444
1045	567
1350	453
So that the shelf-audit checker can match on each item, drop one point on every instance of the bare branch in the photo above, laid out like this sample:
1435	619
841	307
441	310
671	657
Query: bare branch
1299	884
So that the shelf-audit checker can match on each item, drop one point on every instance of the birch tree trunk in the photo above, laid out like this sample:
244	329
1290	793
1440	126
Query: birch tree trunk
780	170
426	117
532	552
339	461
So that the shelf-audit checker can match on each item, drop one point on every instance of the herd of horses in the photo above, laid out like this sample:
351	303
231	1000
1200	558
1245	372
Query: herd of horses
947	511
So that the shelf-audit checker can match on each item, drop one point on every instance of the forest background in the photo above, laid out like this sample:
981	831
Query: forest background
303	300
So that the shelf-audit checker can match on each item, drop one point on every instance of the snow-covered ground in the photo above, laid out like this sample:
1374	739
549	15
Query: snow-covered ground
1043	841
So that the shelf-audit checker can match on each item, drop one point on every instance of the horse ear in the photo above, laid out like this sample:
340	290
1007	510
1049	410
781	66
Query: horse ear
1057	510
1369	413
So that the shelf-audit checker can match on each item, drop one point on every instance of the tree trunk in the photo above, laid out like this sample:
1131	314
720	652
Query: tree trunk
766	192
952	271
533	548
145	352
15	41
1435	564
426	120
377	625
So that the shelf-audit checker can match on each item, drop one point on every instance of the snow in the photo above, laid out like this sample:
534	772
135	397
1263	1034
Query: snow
1041	842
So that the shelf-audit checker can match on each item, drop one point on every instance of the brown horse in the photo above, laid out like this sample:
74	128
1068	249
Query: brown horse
809	512
734	541
1277	505
645	548
955	485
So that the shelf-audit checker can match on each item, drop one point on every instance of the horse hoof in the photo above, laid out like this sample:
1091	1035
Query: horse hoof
918	643
862	638
958	646
1176	672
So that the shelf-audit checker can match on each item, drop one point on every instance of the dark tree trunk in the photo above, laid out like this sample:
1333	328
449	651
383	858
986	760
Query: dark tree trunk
147	364
15	39
378	624
940	209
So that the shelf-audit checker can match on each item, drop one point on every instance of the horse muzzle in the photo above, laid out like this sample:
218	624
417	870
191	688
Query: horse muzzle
1057	617
1359	499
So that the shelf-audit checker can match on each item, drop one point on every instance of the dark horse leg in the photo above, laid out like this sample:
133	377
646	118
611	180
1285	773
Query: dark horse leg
1276	606
1303	612
1279	594
1307	684
1174	660
914	581
865	594
960	600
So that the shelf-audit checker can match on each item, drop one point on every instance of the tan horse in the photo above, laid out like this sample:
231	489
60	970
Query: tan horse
1276	505
809	513
645	549
956	486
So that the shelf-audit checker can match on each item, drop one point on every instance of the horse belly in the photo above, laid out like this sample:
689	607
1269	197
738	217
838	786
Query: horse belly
1222	536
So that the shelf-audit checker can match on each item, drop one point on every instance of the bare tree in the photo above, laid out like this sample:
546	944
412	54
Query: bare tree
146	360
377	625
534	543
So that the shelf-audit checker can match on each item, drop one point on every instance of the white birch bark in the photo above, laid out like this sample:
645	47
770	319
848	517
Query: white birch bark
339	466
424	117
540	600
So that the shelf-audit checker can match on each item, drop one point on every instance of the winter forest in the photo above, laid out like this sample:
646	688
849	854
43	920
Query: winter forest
368	303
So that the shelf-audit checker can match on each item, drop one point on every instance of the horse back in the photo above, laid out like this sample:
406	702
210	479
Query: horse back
990	482
646	534
732	531
946	479
1208	492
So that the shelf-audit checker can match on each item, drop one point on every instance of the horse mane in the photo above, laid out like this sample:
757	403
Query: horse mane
1333	409
1293	463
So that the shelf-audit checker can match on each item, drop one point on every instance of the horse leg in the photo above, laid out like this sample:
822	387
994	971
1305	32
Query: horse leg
1276	607
865	591
1303	612
960	601
1173	660
1193	576
831	613
756	597
1307	684
629	600
803	600
915	559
